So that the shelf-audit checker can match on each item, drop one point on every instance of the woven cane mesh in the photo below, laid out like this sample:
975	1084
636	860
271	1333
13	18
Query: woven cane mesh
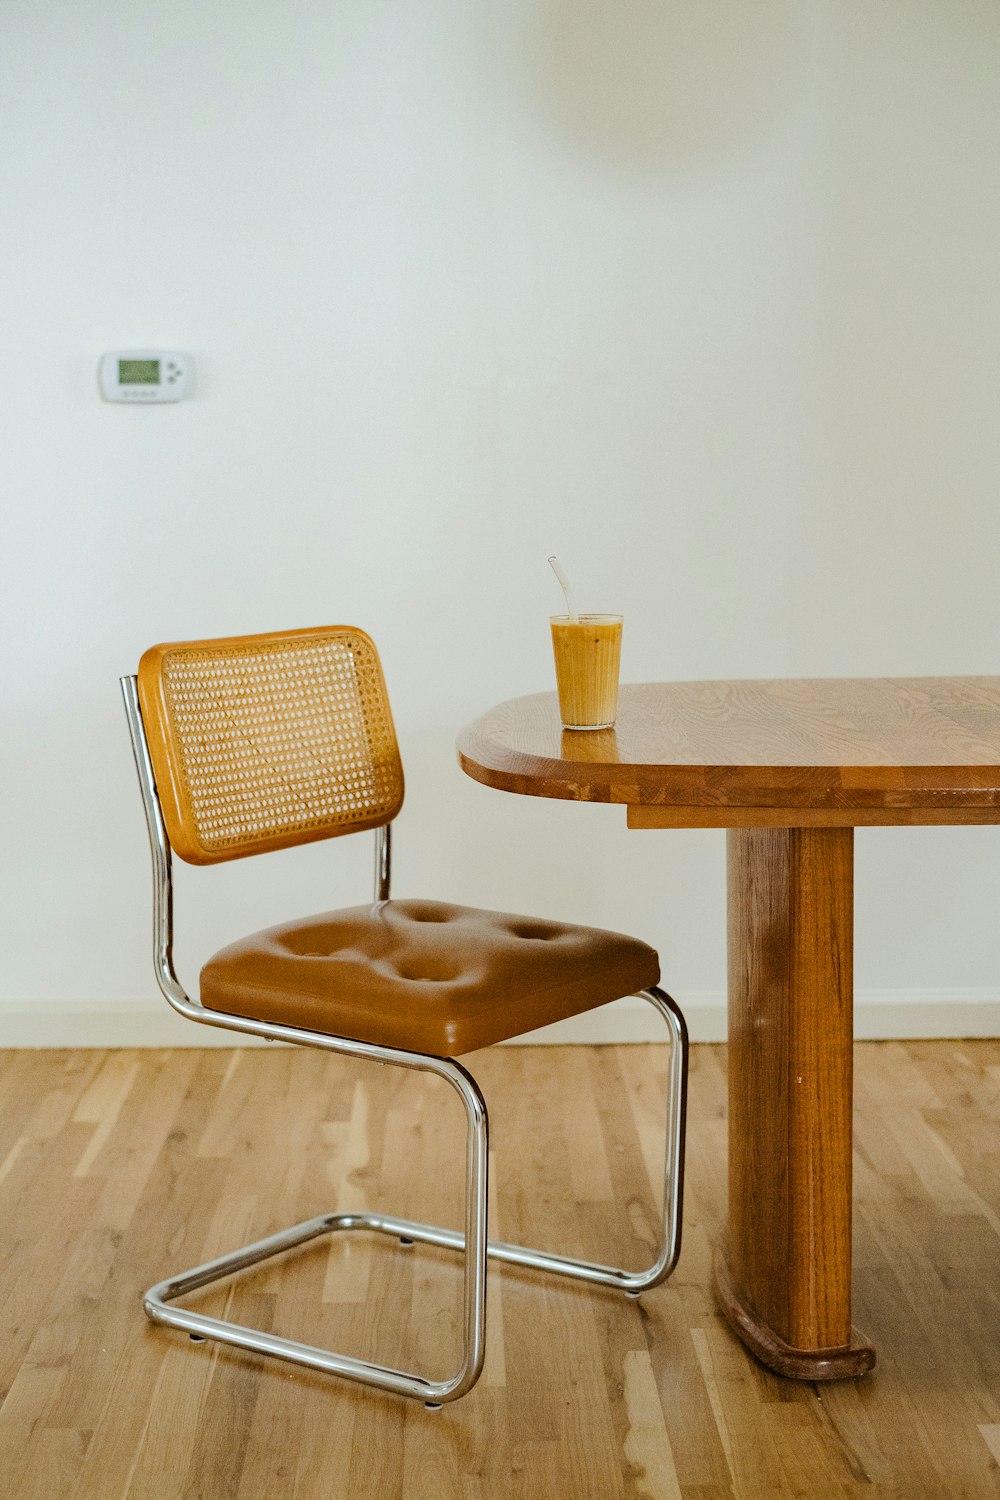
276	741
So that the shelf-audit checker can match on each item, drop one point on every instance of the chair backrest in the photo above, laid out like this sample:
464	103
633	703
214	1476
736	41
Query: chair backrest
261	741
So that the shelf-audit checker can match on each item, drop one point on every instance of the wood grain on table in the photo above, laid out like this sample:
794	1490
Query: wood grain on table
814	751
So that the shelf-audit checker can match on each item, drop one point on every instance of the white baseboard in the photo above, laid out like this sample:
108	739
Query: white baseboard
878	1015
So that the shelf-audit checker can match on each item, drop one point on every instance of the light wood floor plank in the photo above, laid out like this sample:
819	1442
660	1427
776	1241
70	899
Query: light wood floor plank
118	1168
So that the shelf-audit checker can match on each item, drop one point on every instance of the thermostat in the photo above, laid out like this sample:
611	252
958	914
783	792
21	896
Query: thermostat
145	375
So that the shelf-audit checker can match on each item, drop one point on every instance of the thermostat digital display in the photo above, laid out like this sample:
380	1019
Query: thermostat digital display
138	372
145	375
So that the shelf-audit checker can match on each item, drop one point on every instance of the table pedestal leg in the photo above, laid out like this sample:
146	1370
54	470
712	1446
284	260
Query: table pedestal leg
783	1274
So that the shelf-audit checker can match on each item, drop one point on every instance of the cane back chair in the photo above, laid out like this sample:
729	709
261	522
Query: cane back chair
254	743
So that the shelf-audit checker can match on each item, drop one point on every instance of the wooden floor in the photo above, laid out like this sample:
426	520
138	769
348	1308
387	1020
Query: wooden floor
119	1167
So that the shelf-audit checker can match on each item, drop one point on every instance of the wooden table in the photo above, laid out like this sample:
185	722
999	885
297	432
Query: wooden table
790	768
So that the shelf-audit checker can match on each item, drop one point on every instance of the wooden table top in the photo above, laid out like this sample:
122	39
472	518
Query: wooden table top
816	751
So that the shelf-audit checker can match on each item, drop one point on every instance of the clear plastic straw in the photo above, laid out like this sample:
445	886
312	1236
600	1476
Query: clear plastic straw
567	591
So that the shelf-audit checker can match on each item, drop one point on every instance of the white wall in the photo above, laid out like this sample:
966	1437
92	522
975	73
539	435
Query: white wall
701	296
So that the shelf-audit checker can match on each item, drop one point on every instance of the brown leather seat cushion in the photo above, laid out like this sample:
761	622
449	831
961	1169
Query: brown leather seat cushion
424	976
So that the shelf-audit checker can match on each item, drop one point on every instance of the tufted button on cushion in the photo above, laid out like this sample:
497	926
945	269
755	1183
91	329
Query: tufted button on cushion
424	976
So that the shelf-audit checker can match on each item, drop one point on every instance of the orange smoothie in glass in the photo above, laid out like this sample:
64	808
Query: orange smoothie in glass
587	652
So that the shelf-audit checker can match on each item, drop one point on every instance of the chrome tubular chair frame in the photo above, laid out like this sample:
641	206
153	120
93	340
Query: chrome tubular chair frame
472	1243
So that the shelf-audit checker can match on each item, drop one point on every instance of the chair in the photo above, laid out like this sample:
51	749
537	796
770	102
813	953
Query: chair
254	743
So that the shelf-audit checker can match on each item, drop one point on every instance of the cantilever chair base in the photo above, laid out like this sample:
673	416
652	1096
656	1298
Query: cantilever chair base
473	1244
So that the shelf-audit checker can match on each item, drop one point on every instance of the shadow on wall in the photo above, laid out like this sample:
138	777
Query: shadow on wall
664	86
